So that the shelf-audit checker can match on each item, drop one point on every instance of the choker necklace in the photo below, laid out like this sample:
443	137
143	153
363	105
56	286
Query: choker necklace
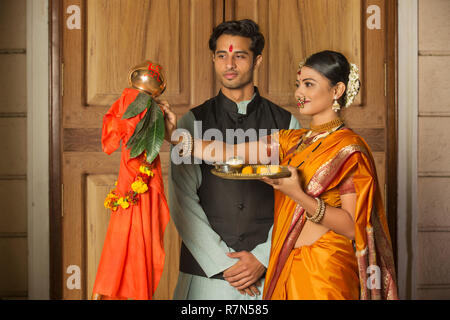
327	126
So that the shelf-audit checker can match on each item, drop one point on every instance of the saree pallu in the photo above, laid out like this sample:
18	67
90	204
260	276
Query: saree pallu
132	259
333	267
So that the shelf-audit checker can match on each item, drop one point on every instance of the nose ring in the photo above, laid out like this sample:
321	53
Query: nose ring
301	102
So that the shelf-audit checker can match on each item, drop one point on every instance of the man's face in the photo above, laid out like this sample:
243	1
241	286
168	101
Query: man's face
234	62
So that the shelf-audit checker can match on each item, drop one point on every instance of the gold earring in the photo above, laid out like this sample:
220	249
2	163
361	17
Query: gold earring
336	106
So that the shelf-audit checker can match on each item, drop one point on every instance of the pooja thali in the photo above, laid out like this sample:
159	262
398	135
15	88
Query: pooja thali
250	172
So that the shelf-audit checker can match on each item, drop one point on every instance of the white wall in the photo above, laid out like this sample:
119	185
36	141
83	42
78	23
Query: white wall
433	166
38	148
407	146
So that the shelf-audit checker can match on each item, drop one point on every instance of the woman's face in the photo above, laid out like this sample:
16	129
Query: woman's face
315	90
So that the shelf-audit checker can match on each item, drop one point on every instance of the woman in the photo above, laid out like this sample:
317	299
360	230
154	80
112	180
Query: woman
330	237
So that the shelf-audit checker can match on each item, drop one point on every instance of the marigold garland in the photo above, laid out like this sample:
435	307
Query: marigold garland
139	186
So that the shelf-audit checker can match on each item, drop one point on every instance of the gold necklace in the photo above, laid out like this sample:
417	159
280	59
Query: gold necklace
327	126
306	141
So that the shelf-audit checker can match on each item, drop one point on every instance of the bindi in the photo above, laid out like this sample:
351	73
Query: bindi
230	49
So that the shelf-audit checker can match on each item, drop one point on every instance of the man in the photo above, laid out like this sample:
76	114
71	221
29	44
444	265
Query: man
226	225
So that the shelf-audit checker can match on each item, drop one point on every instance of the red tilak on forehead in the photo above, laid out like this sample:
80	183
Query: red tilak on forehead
230	48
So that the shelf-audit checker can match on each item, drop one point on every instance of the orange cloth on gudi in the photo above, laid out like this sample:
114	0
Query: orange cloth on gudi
333	267
133	255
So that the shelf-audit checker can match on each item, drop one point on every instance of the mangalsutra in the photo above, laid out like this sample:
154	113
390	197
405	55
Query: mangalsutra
306	141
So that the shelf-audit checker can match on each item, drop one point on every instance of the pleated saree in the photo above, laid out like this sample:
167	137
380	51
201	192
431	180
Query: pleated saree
333	267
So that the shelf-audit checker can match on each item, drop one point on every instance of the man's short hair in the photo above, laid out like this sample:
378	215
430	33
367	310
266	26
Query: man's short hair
244	28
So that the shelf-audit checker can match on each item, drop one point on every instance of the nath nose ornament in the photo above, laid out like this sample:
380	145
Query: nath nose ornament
301	102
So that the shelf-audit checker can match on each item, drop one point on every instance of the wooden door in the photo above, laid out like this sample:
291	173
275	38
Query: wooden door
101	39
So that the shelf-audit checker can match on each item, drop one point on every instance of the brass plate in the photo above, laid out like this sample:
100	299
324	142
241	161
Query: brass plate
284	173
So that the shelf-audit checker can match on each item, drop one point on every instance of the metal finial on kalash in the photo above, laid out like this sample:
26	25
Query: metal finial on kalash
148	136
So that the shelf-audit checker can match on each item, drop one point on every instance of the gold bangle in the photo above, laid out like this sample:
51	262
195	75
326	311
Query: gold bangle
318	210
322	212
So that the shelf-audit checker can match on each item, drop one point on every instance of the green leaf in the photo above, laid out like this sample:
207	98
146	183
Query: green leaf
155	133
137	145
141	102
149	134
138	148
138	132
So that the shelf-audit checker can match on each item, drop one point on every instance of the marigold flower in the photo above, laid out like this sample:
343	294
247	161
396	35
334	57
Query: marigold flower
110	199
107	203
139	186
146	170
123	203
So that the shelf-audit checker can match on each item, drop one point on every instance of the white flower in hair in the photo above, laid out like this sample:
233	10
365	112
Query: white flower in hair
353	85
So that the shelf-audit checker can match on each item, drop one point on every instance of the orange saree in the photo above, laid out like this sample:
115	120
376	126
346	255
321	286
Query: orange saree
333	267
133	255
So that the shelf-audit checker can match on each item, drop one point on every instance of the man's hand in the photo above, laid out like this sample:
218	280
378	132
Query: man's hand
245	273
170	120
252	290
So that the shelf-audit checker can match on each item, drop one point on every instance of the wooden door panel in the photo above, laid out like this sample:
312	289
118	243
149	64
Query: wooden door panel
97	219
142	29
78	169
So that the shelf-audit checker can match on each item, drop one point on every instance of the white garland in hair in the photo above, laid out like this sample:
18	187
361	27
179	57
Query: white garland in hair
352	85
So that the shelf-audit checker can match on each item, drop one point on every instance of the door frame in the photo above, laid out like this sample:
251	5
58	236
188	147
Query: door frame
408	118
392	120
55	178
55	32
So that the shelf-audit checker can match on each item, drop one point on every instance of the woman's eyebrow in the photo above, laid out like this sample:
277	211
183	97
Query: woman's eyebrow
309	79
